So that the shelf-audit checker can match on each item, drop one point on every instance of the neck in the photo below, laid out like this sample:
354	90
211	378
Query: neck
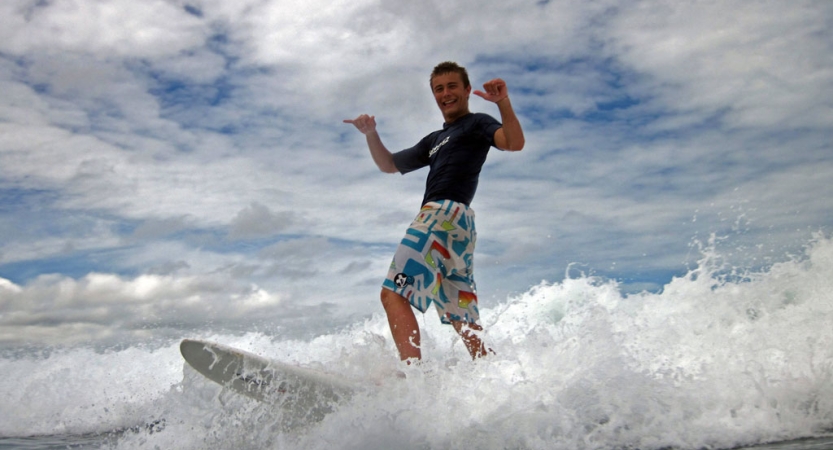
453	118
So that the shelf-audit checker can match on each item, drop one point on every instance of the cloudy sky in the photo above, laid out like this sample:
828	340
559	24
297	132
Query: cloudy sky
168	165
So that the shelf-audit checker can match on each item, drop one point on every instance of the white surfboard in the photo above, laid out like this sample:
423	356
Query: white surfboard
306	391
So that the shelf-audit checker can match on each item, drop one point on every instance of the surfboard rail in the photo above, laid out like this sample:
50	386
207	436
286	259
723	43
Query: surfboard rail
291	387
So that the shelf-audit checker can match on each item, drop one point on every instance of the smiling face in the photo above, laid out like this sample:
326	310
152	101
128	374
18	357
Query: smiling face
452	95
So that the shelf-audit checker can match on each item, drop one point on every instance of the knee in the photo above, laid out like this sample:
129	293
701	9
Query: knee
391	299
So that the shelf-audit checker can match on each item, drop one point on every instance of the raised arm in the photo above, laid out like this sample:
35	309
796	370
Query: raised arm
380	154
511	135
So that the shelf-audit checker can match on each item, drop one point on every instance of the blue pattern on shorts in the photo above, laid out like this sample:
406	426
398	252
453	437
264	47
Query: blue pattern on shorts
434	262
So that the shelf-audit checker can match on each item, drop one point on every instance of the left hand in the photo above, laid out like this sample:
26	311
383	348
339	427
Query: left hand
495	90
364	123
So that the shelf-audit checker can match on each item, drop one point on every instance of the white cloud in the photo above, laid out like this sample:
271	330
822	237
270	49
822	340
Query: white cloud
9	286
755	62
191	151
110	28
257	220
86	309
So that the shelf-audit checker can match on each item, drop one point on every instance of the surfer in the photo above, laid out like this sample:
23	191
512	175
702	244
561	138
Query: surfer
433	263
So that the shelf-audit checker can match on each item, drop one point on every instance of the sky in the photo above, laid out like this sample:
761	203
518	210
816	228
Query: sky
169	166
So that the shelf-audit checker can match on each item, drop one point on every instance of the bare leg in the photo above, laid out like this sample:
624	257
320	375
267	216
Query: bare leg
468	331
403	325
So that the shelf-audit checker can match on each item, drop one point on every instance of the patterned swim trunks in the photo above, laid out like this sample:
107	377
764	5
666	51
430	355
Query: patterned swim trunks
433	263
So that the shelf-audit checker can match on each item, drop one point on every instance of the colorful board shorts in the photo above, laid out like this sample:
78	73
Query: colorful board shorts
434	262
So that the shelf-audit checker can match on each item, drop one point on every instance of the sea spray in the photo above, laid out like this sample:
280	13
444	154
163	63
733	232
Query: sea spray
719	358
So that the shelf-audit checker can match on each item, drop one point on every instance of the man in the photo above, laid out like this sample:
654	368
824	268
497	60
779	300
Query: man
433	263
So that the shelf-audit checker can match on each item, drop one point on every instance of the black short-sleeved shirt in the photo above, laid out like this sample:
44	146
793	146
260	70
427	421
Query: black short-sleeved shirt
455	154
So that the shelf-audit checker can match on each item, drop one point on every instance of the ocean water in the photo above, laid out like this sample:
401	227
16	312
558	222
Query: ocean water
719	359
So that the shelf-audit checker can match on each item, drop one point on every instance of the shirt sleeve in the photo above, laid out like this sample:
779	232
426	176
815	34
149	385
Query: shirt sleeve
412	158
488	125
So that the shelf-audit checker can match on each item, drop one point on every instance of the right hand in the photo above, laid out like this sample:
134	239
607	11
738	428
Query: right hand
364	123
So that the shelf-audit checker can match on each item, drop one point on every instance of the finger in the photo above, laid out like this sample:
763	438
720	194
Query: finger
357	119
500	86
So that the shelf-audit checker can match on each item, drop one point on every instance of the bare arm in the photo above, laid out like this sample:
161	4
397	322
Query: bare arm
511	135
380	154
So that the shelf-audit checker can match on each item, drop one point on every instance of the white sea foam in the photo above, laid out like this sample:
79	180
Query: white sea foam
717	359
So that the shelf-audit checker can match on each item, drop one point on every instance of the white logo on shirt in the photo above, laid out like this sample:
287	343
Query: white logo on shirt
437	148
